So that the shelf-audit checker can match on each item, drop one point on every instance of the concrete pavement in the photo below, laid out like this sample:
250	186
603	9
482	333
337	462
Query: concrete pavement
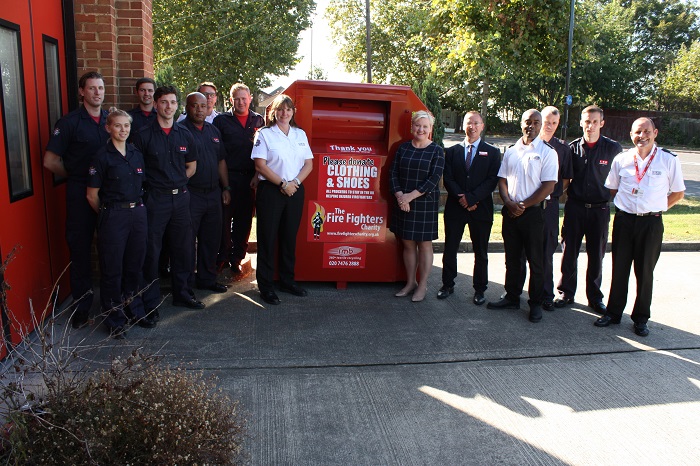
360	377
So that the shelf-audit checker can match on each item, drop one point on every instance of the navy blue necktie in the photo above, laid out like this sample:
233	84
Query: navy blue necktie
469	157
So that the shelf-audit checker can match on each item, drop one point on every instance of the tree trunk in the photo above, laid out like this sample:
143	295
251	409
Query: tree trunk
485	97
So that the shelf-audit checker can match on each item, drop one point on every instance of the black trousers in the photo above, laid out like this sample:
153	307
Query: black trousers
237	218
169	217
593	223
278	217
205	212
121	242
635	240
524	234
479	233
80	229
551	240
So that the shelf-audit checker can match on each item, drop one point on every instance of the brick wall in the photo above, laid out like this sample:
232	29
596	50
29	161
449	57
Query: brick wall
115	37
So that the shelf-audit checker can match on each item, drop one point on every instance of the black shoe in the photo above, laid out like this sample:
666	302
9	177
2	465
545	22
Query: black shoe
641	329
216	288
535	314
191	303
236	268
118	333
504	303
146	322
478	298
154	315
445	291
270	297
605	321
79	321
598	307
561	302
548	306
294	289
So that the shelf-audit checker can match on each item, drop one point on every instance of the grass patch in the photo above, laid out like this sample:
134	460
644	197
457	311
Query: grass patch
681	223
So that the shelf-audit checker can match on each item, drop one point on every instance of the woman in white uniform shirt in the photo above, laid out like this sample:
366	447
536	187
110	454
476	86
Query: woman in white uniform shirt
283	159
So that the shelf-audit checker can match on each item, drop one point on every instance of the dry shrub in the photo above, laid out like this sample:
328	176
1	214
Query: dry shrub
60	408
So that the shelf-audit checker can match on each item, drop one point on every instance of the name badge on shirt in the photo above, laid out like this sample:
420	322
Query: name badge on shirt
637	192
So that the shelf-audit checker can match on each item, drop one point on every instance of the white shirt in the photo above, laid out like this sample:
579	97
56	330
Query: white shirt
285	154
526	167
209	119
650	194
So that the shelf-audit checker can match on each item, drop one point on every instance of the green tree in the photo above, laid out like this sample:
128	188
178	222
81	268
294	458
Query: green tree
680	89
317	73
427	92
401	51
228	41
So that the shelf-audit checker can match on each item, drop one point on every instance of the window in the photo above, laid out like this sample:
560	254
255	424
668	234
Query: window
14	113
53	86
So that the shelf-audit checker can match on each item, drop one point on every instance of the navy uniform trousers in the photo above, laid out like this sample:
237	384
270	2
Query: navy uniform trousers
279	217
121	242
168	217
81	220
551	240
635	240
237	218
524	234
456	218
593	223
205	212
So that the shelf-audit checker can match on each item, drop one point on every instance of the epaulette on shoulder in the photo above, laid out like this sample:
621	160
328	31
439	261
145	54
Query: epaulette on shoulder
548	145
511	145
666	150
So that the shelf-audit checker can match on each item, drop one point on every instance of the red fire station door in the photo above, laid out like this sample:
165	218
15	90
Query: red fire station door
354	130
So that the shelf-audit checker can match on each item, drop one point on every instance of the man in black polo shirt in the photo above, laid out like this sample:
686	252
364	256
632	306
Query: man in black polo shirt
587	210
205	192
170	155
144	113
238	127
74	142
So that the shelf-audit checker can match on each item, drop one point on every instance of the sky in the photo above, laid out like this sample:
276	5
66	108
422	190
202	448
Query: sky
321	52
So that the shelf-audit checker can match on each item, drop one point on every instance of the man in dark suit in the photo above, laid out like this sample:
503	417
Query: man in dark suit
470	176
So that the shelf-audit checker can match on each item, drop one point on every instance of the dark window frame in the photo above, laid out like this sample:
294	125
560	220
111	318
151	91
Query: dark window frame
28	161
57	180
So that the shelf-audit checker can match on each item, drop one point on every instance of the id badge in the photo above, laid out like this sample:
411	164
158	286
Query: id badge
637	192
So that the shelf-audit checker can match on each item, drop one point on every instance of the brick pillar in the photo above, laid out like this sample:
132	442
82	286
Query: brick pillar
115	37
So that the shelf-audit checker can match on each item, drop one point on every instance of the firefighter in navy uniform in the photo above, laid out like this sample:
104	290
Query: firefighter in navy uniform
145	113
587	210
238	127
171	158
115	192
206	193
73	143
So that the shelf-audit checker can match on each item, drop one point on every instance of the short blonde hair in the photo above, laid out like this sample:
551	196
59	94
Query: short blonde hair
114	112
423	114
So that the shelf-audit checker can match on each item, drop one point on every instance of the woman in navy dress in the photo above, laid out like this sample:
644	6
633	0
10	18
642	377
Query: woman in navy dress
415	177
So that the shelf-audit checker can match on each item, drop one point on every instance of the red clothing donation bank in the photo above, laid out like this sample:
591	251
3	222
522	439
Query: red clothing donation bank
354	131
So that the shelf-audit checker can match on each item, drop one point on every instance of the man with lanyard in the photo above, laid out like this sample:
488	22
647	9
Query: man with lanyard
143	113
208	90
587	210
74	142
238	127
470	176
644	181
170	155
206	195
527	176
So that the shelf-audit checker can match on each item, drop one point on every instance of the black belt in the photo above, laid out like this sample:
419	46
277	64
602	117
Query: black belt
195	189
169	191
589	205
645	214
122	205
